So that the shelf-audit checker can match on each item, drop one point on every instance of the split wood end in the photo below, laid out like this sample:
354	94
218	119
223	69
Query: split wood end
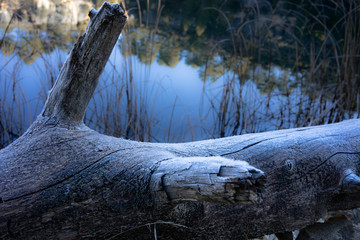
207	179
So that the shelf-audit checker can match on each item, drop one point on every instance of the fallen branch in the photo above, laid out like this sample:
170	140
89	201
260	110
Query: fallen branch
62	180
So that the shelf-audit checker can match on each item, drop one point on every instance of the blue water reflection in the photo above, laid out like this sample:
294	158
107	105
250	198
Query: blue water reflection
175	75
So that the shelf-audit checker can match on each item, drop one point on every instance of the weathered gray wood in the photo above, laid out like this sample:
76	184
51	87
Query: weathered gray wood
62	180
208	179
79	76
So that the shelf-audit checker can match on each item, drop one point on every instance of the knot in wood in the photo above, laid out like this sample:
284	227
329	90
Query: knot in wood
290	164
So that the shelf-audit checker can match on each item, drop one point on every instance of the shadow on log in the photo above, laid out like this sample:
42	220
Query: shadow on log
62	180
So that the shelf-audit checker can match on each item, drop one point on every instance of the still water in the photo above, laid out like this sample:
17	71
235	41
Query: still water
185	70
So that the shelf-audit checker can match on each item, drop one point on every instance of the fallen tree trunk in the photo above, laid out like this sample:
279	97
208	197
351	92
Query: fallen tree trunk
62	180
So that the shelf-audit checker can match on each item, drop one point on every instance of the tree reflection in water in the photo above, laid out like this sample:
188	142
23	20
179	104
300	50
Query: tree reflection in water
264	65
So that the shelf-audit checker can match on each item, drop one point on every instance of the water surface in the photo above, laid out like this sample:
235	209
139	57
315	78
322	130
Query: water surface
189	70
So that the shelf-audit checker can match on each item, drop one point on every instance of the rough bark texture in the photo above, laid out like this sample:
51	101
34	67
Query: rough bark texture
62	180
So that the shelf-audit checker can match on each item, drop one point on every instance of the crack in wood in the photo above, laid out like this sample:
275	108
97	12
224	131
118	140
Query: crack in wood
248	146
65	179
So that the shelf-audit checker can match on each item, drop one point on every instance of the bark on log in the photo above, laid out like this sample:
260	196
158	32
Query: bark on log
62	180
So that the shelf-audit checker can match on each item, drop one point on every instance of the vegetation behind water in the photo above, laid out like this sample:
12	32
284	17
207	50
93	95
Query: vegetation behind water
301	57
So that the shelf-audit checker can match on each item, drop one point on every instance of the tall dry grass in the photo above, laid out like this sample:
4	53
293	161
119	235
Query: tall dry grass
260	91
322	86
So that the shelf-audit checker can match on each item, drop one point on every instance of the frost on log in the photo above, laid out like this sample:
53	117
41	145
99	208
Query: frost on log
62	180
